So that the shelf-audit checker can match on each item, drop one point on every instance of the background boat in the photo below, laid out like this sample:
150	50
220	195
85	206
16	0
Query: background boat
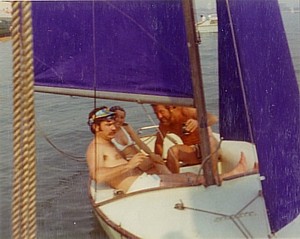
5	26
209	25
5	19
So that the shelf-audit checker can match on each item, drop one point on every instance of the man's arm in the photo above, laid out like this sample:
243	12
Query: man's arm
211	119
100	172
106	174
191	113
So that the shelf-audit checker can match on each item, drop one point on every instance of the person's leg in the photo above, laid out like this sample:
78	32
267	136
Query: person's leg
187	179
158	169
240	168
180	179
162	169
173	159
214	151
189	155
184	153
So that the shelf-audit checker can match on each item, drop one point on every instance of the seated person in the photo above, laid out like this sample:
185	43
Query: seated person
106	164
182	121
129	144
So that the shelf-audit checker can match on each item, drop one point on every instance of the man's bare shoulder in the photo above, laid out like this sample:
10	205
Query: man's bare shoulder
189	112
107	149
92	153
90	148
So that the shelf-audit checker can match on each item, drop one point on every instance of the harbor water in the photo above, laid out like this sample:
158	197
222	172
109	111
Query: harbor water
62	136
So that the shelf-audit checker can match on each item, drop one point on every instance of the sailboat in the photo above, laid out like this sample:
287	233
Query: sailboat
208	25
5	19
123	50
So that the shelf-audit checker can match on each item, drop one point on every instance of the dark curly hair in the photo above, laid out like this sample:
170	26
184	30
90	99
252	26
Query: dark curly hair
115	108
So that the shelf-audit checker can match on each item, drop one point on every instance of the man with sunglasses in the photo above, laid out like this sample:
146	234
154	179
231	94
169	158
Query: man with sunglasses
107	165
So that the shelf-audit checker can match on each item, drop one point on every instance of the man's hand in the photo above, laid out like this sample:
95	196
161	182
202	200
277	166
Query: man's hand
136	160
191	125
157	159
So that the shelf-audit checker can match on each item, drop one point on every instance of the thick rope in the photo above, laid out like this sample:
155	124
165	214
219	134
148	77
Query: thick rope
29	77
24	180
17	181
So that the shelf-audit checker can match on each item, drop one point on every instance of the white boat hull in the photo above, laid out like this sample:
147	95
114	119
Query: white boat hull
234	210
152	214
206	28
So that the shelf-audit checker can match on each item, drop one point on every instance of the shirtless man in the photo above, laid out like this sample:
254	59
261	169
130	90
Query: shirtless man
107	165
181	121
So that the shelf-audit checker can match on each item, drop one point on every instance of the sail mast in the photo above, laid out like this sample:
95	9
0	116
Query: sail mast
199	100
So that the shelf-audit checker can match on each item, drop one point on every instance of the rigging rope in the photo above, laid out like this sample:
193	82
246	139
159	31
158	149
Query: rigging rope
235	218
95	90
24	175
70	156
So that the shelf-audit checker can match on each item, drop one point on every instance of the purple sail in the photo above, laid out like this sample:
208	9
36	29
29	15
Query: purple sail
259	98
139	48
136	47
